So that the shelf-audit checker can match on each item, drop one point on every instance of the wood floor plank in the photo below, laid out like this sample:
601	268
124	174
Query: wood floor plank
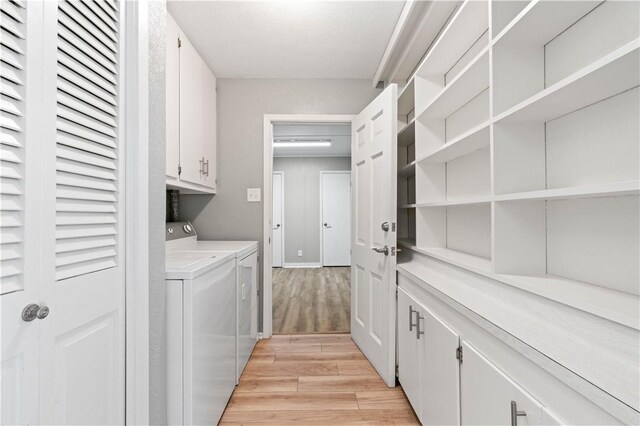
292	369
307	300
339	347
322	417
340	383
292	401
390	399
318	357
356	368
267	384
273	348
321	338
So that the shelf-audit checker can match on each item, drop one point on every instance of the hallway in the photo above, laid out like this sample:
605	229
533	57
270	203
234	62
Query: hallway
314	379
311	300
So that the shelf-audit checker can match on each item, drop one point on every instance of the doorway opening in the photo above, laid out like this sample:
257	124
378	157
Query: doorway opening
310	227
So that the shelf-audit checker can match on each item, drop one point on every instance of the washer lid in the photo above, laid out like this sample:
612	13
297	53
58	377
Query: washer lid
186	259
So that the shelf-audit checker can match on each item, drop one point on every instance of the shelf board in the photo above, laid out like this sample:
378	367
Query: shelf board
407	135
613	189
606	303
606	77
462	202
470	141
407	206
408	170
461	32
471	81
407	98
541	21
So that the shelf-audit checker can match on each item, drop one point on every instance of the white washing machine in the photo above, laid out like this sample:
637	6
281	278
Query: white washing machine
184	238
201	335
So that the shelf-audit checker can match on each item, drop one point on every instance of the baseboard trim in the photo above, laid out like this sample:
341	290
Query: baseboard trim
302	265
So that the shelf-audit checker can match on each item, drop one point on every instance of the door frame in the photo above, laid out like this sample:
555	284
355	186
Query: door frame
320	225
268	121
282	246
136	121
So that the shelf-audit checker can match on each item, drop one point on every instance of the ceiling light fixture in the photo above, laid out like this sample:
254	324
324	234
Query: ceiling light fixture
305	144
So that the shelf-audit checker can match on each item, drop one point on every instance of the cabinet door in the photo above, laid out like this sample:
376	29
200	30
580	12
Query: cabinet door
440	373
487	394
191	113
173	98
409	350
209	127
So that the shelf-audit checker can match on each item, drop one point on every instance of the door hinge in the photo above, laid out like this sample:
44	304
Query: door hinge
179	42
459	354
397	372
179	169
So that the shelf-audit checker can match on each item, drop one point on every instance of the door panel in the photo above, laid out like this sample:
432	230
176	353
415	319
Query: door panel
439	373
173	98
20	209
374	152
487	393
191	113
409	351
277	221
336	218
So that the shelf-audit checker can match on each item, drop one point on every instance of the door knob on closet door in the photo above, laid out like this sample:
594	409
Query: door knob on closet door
384	250
33	311
326	225
277	226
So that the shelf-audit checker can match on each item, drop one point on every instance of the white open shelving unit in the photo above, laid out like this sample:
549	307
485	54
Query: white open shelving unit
518	150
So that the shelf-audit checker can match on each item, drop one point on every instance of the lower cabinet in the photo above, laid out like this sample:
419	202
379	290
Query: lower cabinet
449	382
427	364
490	397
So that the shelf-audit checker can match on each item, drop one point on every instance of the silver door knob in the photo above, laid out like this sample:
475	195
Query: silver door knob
326	225
384	250
33	311
385	226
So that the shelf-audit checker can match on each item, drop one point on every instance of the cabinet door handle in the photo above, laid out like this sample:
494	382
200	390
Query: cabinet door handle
515	413
201	162
206	167
418	331
411	312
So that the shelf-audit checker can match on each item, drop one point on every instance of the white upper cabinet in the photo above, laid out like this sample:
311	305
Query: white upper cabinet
173	99
191	116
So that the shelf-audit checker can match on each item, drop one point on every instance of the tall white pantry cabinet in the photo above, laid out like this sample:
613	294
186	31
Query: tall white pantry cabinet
519	213
191	116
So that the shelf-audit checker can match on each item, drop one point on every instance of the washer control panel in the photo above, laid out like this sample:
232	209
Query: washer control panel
176	230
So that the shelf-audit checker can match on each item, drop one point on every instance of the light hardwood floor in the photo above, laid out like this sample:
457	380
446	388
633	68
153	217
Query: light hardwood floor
314	379
311	300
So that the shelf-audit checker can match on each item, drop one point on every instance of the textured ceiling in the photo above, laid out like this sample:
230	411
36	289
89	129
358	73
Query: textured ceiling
289	39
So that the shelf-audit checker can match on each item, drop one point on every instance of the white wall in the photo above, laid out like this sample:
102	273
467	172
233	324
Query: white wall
302	204
242	104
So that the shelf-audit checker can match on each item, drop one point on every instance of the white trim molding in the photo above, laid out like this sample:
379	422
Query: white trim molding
136	124
269	120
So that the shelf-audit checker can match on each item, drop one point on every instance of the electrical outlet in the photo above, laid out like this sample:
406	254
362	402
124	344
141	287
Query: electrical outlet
253	195
299	253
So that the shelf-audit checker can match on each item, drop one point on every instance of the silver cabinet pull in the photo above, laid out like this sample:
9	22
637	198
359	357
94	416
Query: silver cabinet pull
205	167
418	331
384	250
33	311
411	312
515	413
201	162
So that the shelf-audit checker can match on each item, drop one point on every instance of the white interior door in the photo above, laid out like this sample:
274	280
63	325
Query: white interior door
336	218
20	221
277	224
373	261
61	215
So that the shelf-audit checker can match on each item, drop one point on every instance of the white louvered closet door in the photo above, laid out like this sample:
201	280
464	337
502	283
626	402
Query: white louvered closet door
20	223
82	340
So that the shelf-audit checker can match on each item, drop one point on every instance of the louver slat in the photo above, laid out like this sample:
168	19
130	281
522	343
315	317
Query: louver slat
87	138
12	144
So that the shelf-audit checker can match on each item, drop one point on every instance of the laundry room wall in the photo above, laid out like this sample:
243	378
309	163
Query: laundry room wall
302	204
242	104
